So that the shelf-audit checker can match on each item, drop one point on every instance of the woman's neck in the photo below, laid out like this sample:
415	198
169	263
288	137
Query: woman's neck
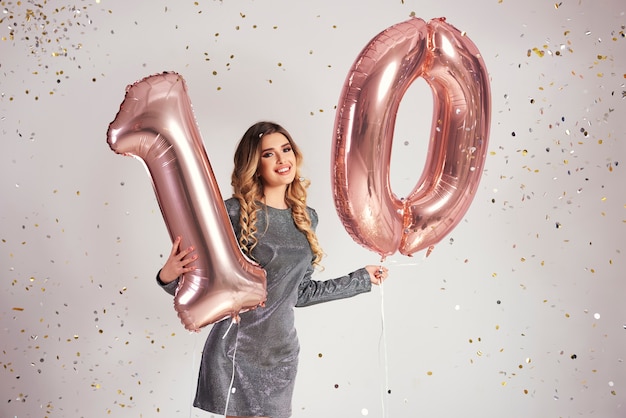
275	197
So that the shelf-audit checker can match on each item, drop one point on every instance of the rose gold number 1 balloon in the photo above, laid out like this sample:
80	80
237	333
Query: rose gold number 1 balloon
451	64
156	124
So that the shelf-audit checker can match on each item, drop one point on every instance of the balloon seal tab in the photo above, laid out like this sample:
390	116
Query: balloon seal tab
234	321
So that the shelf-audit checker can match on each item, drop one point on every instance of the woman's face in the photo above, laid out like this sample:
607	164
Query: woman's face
277	166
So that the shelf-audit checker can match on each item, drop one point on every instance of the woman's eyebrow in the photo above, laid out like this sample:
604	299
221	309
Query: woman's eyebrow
286	144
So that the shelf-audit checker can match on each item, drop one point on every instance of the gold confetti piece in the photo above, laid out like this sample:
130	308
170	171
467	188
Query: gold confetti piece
18	309
429	373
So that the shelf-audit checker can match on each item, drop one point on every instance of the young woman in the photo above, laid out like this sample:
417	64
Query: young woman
250	370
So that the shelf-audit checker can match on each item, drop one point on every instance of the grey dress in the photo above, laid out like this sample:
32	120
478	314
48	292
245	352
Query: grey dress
260	354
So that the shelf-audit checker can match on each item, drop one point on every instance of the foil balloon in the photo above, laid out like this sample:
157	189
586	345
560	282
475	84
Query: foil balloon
156	124
363	135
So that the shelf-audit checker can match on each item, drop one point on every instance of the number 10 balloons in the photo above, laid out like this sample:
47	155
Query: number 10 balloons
156	124
452	66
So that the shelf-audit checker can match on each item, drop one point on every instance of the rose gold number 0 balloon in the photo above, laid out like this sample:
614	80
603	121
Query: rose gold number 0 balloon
452	66
156	124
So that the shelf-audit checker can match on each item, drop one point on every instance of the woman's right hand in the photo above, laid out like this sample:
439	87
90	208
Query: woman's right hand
177	263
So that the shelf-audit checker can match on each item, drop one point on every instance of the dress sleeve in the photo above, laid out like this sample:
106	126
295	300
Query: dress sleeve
312	292
168	287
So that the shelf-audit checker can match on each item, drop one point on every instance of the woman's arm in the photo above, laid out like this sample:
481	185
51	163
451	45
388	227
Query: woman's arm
168	287
360	281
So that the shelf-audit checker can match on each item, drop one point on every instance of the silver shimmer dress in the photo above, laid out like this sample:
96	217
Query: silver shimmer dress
260	354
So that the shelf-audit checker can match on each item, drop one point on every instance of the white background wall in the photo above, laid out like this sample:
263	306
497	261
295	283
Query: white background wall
518	313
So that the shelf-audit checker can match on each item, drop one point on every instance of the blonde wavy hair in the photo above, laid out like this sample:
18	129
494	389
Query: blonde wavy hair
248	189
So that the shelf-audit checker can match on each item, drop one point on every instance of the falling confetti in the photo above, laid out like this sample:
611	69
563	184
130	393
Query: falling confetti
540	298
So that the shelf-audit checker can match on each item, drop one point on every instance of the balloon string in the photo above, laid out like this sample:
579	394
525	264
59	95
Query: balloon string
232	377
229	327
384	344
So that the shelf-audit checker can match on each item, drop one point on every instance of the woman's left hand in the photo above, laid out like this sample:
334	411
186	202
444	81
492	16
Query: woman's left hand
378	274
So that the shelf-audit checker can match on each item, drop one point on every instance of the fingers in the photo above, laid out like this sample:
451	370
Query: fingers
178	255
378	274
178	262
379	278
175	246
182	256
183	261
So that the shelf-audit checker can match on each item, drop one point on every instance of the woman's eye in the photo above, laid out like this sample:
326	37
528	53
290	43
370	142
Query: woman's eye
287	149
267	155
